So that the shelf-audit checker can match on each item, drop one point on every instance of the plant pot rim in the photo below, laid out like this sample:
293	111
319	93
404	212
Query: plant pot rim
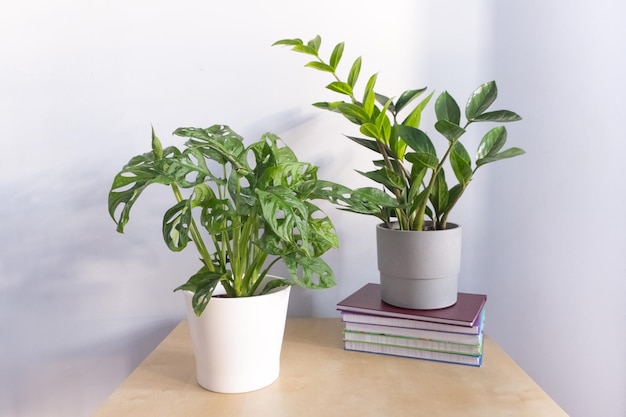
450	226
220	291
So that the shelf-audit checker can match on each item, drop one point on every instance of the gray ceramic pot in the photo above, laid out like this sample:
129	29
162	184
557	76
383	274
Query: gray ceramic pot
419	269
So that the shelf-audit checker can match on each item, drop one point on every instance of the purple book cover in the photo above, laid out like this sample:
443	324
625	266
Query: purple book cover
368	300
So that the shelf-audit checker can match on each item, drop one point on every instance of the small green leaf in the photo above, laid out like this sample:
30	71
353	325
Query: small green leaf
369	97
386	177
500	116
355	70
422	159
336	55
288	42
416	139
480	100
320	66
353	112
461	164
368	143
340	87
439	195
451	131
315	43
157	148
406	97
305	49
509	153
492	142
414	118
447	109
371	130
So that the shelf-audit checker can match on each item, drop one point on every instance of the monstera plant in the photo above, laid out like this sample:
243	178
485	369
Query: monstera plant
244	208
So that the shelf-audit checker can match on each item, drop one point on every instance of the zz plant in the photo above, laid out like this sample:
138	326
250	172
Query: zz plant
243	207
408	166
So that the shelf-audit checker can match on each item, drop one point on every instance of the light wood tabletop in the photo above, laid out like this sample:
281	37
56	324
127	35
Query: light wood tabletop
320	379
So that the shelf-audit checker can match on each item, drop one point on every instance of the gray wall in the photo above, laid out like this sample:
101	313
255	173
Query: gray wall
82	82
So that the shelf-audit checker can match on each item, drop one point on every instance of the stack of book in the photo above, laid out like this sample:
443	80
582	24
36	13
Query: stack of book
453	334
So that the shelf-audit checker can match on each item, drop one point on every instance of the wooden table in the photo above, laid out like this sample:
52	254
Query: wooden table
320	379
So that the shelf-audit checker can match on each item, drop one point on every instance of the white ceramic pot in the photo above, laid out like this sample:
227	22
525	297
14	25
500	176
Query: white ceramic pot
237	341
419	269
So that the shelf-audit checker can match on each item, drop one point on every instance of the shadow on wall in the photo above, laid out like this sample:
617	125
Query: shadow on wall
80	305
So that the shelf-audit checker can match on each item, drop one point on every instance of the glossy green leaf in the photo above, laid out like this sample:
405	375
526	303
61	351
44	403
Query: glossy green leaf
336	55
492	142
370	130
509	153
451	131
481	99
368	143
501	116
439	195
416	139
355	70
407	97
461	164
386	177
369	97
447	109
320	66
330	106
354	113
315	43
414	118
289	42
340	87
305	49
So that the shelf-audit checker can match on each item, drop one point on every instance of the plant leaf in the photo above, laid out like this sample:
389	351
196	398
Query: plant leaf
369	97
461	164
202	284
439	195
451	131
386	177
492	142
371	130
310	272
355	70
320	66
288	42
447	109
414	118
501	116
368	143
336	55
285	214
425	153
340	87
354	113
406	97
509	153
315	43
480	100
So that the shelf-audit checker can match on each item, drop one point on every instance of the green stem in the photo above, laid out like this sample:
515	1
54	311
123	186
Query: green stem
196	237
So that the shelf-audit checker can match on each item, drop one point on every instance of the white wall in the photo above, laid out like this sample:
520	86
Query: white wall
81	83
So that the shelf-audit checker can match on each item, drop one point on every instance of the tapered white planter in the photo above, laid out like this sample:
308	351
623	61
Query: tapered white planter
237	341
419	269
